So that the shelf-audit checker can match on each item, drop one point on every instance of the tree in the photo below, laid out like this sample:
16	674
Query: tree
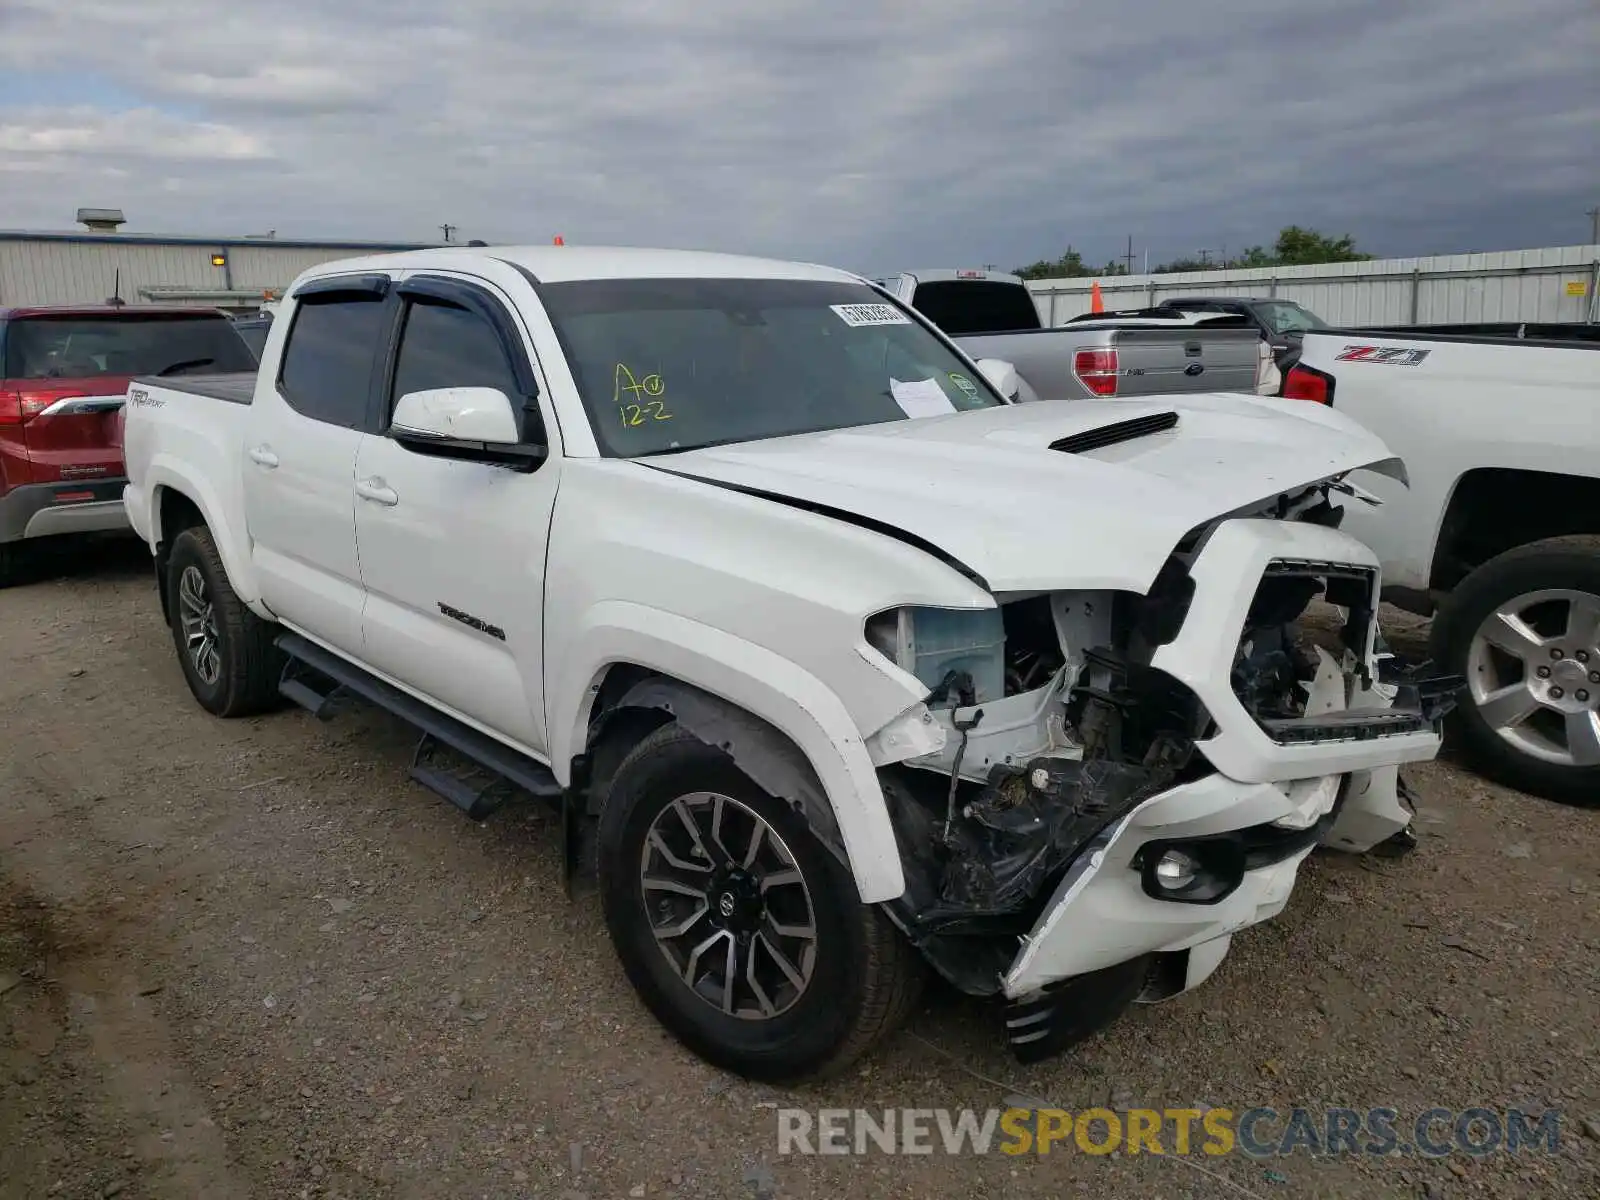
1295	247
1068	266
1298	247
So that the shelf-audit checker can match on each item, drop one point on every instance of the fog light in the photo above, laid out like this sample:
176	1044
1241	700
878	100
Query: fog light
1175	871
1202	871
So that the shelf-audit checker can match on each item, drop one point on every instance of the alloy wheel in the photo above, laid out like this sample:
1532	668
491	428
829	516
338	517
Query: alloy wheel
198	618
728	906
1533	673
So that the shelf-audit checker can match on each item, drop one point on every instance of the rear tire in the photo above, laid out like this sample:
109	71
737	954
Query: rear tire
226	651
860	977
9	565
1511	723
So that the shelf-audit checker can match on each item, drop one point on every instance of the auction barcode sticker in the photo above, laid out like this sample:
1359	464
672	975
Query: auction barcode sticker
856	315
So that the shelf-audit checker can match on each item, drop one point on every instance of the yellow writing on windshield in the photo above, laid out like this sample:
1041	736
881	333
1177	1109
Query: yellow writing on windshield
638	400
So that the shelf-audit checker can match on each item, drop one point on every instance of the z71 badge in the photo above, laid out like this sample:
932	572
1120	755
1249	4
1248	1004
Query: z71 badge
1399	356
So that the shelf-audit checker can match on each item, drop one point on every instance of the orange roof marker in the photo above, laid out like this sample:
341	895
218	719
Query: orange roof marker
559	241
1096	301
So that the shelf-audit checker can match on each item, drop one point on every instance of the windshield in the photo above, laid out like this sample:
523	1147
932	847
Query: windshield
1284	316
675	364
86	347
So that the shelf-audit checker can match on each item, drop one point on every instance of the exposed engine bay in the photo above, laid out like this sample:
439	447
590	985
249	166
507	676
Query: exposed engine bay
1058	726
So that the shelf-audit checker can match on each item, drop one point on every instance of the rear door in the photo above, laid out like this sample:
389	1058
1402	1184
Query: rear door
66	375
299	457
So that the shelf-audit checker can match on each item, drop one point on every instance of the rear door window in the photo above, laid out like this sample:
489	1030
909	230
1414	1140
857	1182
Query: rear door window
327	362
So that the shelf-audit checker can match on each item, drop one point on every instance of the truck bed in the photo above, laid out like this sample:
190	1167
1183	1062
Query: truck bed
236	388
1570	334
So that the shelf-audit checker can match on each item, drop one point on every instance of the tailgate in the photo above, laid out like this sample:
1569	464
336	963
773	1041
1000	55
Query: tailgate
1164	361
66	429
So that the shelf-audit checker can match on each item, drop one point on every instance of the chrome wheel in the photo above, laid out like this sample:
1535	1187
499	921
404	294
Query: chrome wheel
728	906
1533	672
199	620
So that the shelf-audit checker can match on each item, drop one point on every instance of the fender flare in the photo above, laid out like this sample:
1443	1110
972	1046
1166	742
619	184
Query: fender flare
742	693
761	752
166	473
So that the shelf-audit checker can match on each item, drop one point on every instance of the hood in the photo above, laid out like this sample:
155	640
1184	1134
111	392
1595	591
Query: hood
987	489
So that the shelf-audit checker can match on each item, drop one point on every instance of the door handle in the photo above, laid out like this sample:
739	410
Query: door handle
263	456
378	492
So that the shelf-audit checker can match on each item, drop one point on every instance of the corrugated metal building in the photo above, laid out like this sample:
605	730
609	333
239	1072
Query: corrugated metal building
1556	284
142	268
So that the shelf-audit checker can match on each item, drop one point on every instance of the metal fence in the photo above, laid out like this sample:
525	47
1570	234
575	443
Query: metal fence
1561	283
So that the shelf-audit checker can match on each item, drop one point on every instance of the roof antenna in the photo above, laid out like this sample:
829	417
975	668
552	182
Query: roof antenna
115	300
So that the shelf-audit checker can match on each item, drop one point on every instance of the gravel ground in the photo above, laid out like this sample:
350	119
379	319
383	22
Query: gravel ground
252	959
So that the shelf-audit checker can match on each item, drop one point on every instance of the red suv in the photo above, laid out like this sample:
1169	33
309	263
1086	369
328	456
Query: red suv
63	375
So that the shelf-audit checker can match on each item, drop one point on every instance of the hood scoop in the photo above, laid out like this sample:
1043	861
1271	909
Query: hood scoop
1116	432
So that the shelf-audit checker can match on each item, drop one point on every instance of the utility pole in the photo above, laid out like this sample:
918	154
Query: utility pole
1128	257
447	229
1594	216
1205	257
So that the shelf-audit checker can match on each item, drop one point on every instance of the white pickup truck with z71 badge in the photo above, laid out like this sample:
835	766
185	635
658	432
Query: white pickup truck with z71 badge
858	667
1498	535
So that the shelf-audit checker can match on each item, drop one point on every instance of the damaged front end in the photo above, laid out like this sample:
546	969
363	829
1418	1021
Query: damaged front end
1124	780
1026	779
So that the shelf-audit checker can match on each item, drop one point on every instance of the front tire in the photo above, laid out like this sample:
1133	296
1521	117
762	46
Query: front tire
1524	631
226	651
742	934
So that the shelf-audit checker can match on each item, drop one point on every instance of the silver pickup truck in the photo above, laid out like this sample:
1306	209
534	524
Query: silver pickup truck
991	315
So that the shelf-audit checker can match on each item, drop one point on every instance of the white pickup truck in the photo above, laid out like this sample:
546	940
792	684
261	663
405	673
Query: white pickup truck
856	664
1498	534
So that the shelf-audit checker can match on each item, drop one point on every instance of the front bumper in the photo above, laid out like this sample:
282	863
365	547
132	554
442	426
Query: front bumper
73	506
1278	789
1100	914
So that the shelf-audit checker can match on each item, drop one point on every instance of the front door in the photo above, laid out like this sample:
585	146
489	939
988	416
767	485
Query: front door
452	553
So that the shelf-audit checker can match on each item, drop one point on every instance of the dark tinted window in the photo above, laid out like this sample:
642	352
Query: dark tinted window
963	307
254	331
446	346
673	364
1284	316
134	344
327	364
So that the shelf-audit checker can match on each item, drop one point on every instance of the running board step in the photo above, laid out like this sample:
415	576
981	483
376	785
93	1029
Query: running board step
311	690
474	797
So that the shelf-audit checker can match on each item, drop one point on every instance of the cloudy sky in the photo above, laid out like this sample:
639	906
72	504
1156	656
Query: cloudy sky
868	133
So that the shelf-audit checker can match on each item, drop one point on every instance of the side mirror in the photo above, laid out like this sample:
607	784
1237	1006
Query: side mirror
473	424
1002	376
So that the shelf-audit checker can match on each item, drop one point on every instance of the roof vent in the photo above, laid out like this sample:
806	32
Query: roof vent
101	220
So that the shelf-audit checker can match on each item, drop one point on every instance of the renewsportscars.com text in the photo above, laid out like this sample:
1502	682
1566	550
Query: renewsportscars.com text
1258	1132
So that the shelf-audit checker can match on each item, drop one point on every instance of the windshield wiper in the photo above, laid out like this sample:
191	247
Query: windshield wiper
184	365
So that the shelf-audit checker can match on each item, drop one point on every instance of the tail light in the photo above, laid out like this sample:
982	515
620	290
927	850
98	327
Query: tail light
1097	371
119	426
1308	383
18	408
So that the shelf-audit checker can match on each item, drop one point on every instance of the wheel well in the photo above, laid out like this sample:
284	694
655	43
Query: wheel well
1483	520
634	701
175	512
